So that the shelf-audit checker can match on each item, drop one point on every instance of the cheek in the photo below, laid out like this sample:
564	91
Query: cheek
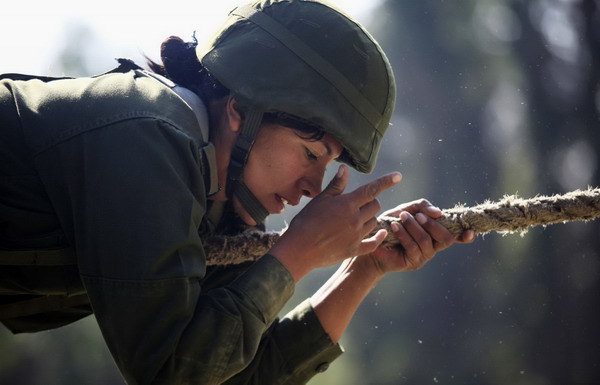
259	164
259	172
271	172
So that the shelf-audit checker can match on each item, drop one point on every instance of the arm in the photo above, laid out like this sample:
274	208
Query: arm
338	299
292	351
304	342
420	237
130	197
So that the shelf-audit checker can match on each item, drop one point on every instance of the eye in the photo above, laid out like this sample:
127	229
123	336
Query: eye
311	155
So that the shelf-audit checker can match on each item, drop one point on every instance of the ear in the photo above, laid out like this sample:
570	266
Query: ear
234	115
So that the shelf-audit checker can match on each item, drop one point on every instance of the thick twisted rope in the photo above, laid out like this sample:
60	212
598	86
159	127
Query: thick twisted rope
509	215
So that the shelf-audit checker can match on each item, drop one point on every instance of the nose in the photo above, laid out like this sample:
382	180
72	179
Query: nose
311	184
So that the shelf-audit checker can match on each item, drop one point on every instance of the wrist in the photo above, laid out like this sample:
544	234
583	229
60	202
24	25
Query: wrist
289	258
337	300
367	265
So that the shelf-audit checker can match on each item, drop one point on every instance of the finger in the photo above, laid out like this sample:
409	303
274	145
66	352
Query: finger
370	244
338	183
425	207
442	238
467	236
418	234
432	211
371	190
414	207
370	210
369	226
411	248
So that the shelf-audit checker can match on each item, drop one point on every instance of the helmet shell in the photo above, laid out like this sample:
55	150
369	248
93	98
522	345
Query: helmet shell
349	92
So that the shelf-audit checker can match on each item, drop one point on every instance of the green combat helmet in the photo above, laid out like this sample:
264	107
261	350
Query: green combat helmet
308	60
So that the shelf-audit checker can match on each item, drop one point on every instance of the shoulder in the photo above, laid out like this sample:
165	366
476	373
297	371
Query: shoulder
58	109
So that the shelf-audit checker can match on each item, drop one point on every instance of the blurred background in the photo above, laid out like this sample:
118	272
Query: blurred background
494	97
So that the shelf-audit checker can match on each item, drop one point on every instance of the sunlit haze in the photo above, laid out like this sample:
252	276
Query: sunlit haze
34	33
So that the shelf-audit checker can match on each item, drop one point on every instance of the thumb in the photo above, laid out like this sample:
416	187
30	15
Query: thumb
370	244
338	183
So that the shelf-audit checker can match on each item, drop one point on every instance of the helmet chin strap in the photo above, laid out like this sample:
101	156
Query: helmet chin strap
239	155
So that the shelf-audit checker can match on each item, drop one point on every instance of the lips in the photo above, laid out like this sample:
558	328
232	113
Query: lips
284	201
281	203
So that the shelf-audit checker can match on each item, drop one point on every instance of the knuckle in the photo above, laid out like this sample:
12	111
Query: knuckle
424	239
354	222
428	257
440	245
346	205
448	240
412	266
411	248
335	183
371	190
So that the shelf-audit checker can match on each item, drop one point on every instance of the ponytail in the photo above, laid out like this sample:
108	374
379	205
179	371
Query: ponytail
181	65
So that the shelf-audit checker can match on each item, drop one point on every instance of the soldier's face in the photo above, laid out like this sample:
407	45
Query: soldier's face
283	166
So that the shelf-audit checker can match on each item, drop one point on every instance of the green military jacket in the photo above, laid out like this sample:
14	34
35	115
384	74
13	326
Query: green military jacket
110	168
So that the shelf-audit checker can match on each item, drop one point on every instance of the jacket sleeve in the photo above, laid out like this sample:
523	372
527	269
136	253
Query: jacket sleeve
130	197
291	352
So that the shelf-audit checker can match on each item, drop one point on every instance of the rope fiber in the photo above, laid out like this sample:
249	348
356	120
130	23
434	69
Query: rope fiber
509	215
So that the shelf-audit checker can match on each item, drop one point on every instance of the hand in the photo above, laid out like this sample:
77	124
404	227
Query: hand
420	237
332	227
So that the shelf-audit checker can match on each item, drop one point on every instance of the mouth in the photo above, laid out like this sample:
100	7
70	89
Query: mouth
285	202
282	202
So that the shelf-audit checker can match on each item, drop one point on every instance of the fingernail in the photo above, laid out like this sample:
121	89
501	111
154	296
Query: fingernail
395	227
404	216
421	218
397	177
340	172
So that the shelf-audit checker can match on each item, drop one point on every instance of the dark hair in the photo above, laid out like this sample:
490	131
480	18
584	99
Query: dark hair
181	65
304	128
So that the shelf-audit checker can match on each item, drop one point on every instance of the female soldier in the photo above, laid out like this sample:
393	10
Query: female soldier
109	185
